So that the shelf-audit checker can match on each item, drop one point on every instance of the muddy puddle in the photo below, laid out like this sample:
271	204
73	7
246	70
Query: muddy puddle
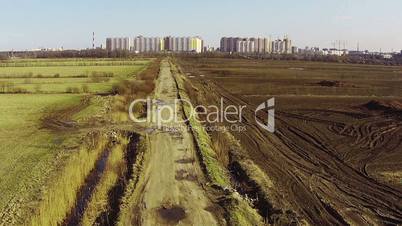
171	214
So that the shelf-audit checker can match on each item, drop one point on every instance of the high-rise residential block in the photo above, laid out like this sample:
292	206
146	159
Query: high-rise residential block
229	44
142	44
246	46
256	45
113	44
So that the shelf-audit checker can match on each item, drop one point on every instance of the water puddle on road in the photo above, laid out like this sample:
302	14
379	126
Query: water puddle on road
171	214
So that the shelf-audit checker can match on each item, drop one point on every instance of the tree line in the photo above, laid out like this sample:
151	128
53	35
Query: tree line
102	53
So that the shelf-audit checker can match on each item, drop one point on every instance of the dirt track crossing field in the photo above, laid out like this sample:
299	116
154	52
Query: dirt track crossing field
172	181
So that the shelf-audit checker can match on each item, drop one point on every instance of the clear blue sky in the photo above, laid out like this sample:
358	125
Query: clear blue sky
27	24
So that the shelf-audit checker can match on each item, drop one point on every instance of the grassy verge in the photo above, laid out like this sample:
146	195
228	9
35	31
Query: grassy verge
239	210
60	196
216	172
115	169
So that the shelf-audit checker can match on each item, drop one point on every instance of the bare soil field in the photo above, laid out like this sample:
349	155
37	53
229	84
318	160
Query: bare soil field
336	155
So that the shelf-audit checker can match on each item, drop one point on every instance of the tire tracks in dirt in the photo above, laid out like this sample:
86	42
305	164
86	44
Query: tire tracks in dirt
308	172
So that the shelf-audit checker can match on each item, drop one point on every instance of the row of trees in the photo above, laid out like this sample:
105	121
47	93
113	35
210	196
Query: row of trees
9	87
84	89
102	53
88	53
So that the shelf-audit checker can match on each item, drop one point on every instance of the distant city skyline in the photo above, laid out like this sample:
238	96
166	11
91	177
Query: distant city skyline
30	24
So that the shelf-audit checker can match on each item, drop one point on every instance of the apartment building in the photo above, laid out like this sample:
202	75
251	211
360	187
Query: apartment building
246	46
147	44
183	44
141	44
113	44
255	45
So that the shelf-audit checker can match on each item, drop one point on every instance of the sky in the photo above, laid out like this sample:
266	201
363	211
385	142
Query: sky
29	24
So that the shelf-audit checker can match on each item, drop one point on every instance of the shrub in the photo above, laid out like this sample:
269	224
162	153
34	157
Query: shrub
2	87
85	88
69	90
56	75
98	77
18	90
76	90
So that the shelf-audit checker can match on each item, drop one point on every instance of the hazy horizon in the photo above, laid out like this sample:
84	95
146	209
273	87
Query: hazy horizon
30	24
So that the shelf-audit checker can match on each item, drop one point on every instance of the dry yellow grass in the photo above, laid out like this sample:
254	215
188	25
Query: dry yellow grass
60	196
115	169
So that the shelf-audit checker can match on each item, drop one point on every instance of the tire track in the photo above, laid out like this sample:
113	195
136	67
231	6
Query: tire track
294	155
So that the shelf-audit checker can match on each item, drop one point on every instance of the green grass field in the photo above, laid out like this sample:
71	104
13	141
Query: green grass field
27	153
65	71
31	154
70	62
65	76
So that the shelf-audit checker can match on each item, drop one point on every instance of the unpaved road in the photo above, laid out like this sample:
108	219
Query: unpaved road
171	182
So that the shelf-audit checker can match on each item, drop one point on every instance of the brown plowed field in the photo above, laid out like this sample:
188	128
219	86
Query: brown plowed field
336	155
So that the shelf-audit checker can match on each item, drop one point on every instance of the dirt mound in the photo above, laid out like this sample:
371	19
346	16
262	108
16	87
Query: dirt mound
330	83
377	105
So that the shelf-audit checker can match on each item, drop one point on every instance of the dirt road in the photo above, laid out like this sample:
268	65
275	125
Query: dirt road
171	182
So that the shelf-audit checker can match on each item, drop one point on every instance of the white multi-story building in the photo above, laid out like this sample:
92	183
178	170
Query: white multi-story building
147	44
256	45
267	45
113	44
287	45
183	44
278	46
142	44
282	46
246	46
259	45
